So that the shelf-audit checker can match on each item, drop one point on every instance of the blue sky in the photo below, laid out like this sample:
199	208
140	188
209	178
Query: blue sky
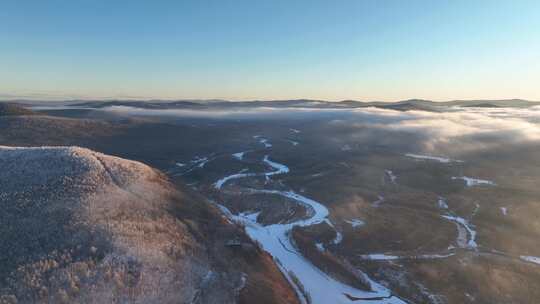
333	50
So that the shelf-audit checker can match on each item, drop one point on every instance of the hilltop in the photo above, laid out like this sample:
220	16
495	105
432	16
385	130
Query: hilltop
80	226
85	226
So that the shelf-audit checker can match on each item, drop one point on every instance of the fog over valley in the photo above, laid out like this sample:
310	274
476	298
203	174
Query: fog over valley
313	202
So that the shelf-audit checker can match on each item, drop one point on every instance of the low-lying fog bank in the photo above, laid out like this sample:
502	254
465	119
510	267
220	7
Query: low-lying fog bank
474	128
432	204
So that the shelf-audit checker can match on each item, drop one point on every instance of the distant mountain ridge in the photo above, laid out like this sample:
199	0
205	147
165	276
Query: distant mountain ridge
9	109
403	105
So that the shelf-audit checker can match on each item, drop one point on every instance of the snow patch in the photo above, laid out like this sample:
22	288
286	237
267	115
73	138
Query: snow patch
389	257
435	158
200	161
391	175
239	155
263	141
531	259
346	148
355	223
441	203
378	202
338	239
339	236
463	227
433	298
470	182
294	143
196	163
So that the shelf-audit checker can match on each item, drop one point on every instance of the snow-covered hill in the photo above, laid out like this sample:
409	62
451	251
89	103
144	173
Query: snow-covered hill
81	226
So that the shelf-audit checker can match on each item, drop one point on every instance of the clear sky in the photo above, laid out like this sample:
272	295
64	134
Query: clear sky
270	49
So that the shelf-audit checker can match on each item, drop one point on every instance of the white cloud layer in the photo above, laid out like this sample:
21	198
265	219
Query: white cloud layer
473	127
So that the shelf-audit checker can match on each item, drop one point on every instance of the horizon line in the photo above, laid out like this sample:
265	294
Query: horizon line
30	98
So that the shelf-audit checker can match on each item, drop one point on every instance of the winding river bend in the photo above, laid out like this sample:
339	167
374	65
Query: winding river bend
315	286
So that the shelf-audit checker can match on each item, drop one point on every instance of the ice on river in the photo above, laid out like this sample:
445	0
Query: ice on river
200	161
390	257
263	141
222	181
435	158
322	288
274	239
294	143
531	259
239	155
441	203
280	169
463	227
470	182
